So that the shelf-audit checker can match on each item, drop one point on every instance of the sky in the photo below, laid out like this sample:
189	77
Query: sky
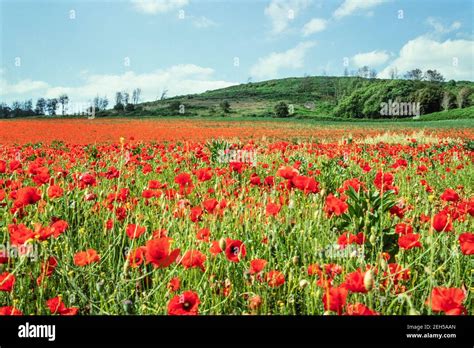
90	47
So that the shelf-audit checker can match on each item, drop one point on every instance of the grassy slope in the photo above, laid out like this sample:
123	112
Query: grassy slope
311	97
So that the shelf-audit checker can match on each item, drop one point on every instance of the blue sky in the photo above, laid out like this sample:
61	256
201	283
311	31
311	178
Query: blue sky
89	48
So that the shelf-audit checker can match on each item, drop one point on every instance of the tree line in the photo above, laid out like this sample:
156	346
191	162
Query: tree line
61	105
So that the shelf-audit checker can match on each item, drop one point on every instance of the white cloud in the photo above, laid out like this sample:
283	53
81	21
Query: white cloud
21	87
203	22
158	6
371	59
314	26
281	12
452	58
439	28
178	80
268	67
348	7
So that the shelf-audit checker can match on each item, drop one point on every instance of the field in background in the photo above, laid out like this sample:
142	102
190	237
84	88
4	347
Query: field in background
100	130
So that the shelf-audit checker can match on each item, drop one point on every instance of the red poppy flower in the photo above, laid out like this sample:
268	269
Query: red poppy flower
174	284
136	256
402	228
57	306
305	184
26	196
235	250
59	227
185	304
7	281
448	300
354	183
384	181
203	234
334	206
183	179
334	299
19	234
158	252
466	240
47	269
347	238
196	214
193	259
273	209
84	258
86	179
442	222
9	310
314	269
359	309
257	266
275	278
409	241
55	191
135	231
210	205
287	172
204	174
449	195
354	282
215	248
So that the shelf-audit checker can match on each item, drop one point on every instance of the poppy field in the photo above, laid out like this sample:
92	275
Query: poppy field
270	220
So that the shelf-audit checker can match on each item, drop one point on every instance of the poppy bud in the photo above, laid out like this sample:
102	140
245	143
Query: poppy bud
369	280
222	243
295	260
372	238
303	283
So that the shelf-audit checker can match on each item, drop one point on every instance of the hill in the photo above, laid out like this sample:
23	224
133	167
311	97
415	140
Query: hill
316	97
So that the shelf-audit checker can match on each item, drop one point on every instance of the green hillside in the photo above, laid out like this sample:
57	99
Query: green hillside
317	97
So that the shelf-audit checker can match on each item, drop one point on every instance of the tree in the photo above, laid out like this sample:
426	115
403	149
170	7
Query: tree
415	75
225	106
393	73
372	73
462	99
363	72
129	107
28	108
125	98
433	76
118	101
306	85
136	95
63	100
5	110
281	110
103	103
164	94
448	101
51	105
40	108
429	98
